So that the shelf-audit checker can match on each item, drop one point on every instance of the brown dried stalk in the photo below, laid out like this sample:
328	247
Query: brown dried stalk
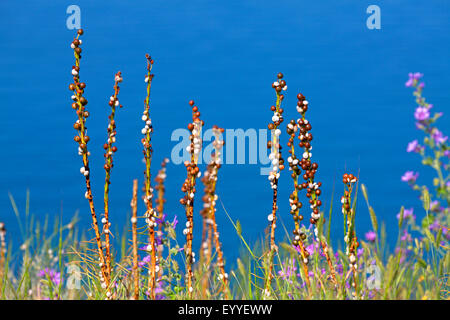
109	151
82	139
294	202
2	252
350	238
277	166
210	191
206	249
135	239
150	214
205	252
188	188
160	201
312	188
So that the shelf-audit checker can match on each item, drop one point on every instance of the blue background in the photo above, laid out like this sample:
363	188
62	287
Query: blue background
225	55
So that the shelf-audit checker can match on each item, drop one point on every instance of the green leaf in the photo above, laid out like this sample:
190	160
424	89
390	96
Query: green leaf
435	182
438	238
426	199
238	228
426	221
288	248
429	235
428	161
241	268
364	191
373	218
422	263
400	220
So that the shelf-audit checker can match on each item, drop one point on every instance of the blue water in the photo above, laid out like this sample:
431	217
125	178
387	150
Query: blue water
225	55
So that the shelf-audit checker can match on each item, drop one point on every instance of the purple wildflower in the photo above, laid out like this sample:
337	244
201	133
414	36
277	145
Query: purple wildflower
310	249
162	220
403	253
413	78
421	114
340	269
434	226
410	176
287	271
407	213
371	236
438	137
174	222
145	261
359	252
55	277
413	146
313	247
406	236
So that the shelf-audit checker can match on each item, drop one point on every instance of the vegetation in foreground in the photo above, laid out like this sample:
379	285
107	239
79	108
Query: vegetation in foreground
62	262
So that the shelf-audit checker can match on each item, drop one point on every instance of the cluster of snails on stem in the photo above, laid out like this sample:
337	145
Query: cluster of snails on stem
134	231
150	213
2	252
310	168
206	244
79	105
160	201
209	209
350	238
277	165
188	187
295	166
110	149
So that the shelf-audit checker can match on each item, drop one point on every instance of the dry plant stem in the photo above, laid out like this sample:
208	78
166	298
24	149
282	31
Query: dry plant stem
206	244
210	181
135	239
350	238
188	188
2	252
277	165
150	215
205	256
82	139
312	188
109	151
324	245
160	178
295	204
205	253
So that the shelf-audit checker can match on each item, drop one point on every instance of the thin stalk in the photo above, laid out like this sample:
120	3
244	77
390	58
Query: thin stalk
135	239
150	214
109	151
82	139
2	253
188	187
160	201
277	166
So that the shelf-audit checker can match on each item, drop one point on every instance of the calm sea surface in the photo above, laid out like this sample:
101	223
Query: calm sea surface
225	55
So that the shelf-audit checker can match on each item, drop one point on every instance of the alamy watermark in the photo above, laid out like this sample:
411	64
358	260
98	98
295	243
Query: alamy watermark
74	280
73	21
373	277
374	20
241	147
